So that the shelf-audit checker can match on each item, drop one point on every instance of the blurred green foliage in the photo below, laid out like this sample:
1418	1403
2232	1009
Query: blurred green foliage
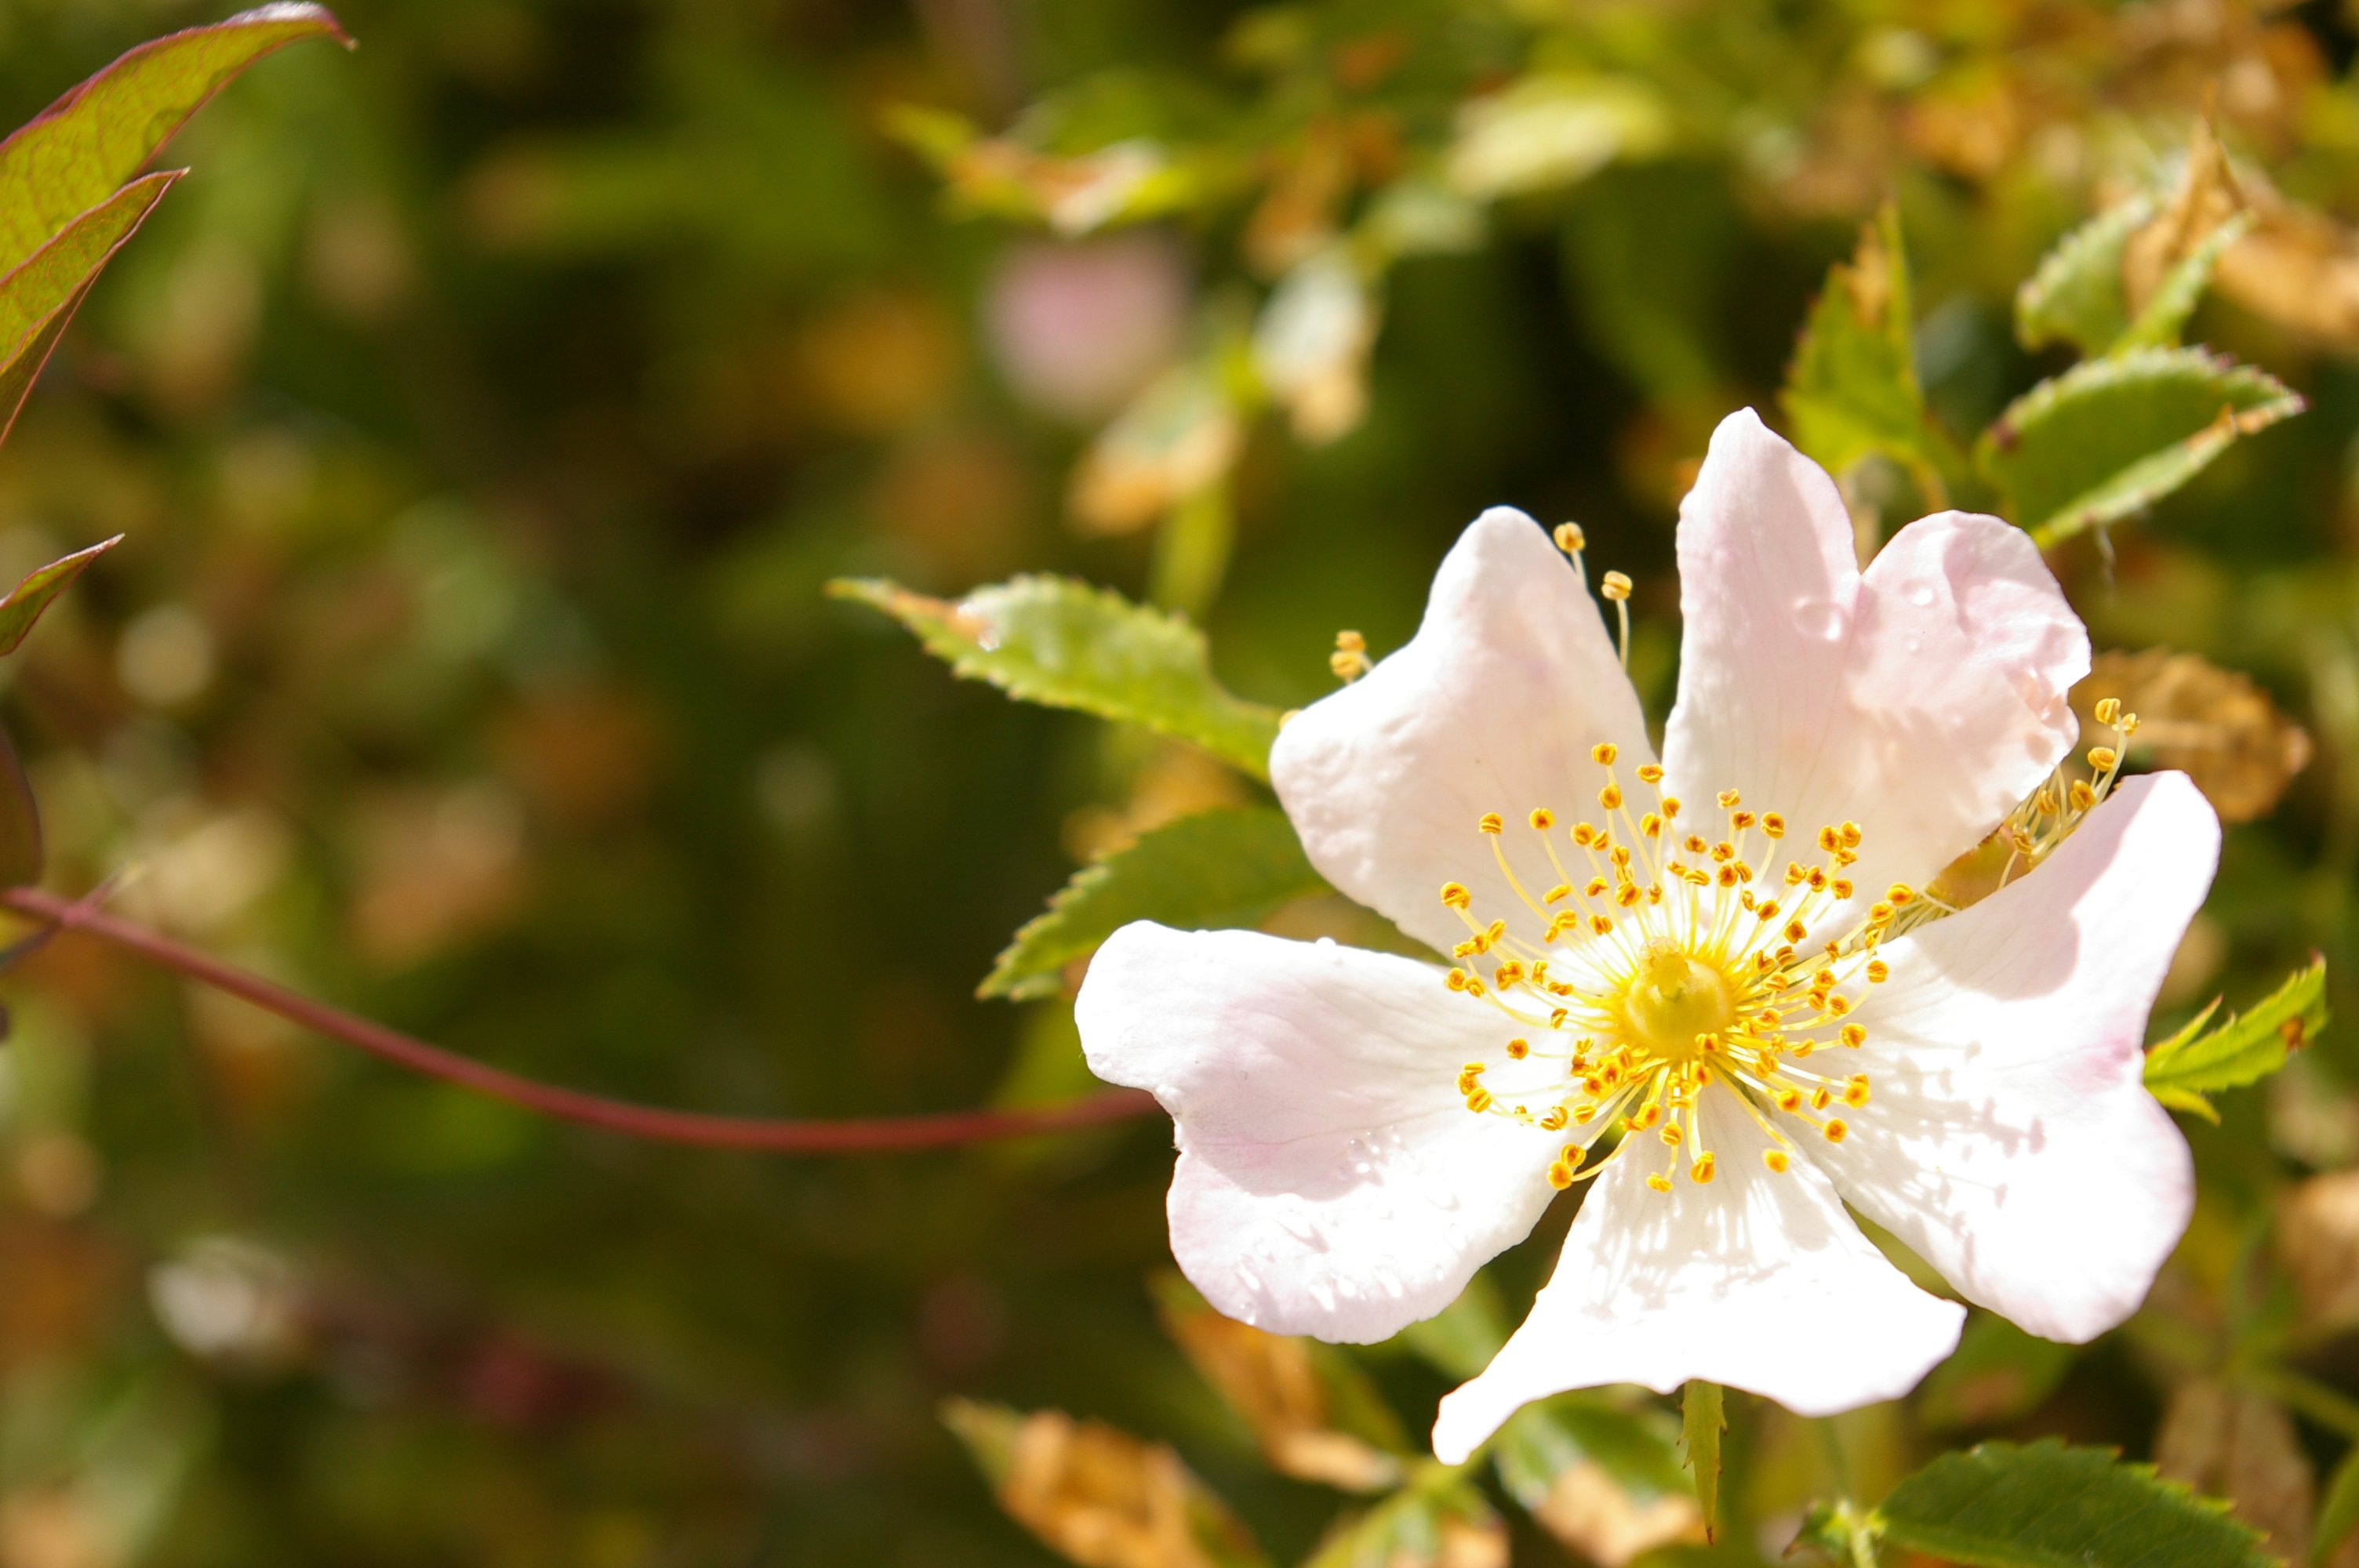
485	415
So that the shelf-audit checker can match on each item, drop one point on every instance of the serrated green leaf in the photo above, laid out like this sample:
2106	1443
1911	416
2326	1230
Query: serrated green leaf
2110	436
2165	316
1999	1504
1544	1440
75	153
39	297
1427	1526
1851	389
1064	643
1211	872
25	602
1702	1418
1076	1483
2075	296
20	822
1998	1373
2247	1048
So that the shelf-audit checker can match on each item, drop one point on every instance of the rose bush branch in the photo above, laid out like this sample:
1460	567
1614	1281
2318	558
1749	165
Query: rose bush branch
936	1129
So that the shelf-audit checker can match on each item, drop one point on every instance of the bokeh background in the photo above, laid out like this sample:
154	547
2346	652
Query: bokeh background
487	415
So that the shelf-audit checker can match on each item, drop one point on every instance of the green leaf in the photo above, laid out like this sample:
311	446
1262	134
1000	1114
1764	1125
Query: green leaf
2110	436
1542	1441
1067	644
1207	872
75	153
2046	1505
20	822
39	297
2165	315
1425	1526
2075	296
1851	389
2247	1048
1459	1340
2338	1512
1702	1419
25	602
1998	1373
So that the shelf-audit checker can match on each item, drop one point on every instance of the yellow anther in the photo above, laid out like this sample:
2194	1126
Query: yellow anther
1479	1101
2109	708
1788	1100
1509	972
1772	825
1672	1134
1708	1043
1468	948
1492	822
1852	1034
1541	818
1840	887
1497	929
2083	796
1695	844
1603	754
1856	1091
1596	888
1850	835
1702	1172
1455	980
1651	826
1795	931
2103	758
1600	924
1878	971
1571	539
1553	1120
1650	773
1648	1116
2127	727
1835	1131
1741	820
1583	834
1838	1004
1817	878
1671	806
1558	1016
1768	911
1518	1049
1660	1181
1878	914
1347	666
1729	799
1777	1160
1628	894
1614	585
1610	797
1897	894
1455	897
1582	1115
1821	1098
1350	643
1475	987
1562	891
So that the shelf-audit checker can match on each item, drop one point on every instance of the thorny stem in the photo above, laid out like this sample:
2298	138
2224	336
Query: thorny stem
766	1135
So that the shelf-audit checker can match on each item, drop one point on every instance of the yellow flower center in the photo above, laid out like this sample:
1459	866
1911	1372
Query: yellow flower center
1673	1001
1660	967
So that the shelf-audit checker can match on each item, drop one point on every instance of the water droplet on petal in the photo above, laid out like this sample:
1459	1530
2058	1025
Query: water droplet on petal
1921	595
1822	618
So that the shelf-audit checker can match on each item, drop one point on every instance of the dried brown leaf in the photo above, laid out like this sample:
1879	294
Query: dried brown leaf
1273	1382
2242	1447
2317	1240
1107	1499
2214	724
2208	195
1592	1512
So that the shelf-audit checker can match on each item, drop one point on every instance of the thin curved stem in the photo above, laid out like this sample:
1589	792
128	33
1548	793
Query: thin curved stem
936	1130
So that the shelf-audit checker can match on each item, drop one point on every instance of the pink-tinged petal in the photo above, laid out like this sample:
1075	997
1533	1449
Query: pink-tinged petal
1493	705
2010	1138
1734	1283
1922	700
1331	1180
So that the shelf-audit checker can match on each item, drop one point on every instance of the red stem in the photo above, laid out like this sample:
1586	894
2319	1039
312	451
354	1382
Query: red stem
932	1130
